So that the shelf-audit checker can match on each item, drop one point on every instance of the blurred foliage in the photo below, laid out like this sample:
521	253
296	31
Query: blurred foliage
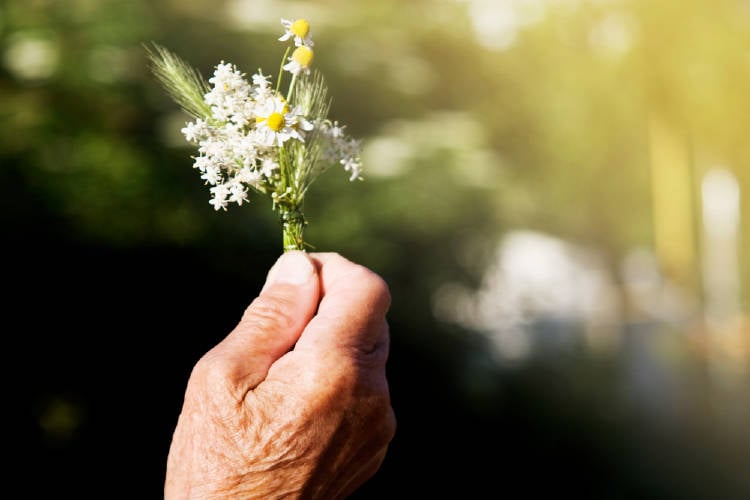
477	117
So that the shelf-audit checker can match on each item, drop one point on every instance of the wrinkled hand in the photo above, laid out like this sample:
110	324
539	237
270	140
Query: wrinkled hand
294	402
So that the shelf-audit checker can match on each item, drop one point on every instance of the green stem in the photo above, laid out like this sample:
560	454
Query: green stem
291	87
281	70
293	223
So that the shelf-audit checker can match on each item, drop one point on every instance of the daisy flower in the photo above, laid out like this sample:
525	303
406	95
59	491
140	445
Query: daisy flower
298	29
300	60
276	123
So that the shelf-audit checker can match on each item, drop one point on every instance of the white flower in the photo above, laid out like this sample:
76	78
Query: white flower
341	148
276	123
237	191
219	200
300	60
247	150
261	86
195	131
353	165
299	29
249	176
302	122
212	174
336	130
268	167
349	150
230	96
202	163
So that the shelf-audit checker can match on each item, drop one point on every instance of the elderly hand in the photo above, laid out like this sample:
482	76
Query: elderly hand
294	402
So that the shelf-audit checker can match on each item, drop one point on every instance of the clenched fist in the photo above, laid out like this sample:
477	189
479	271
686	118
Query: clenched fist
294	402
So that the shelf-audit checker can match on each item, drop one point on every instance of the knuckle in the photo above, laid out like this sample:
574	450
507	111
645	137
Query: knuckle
359	380
358	391
374	282
377	413
392	421
212	374
210	368
389	424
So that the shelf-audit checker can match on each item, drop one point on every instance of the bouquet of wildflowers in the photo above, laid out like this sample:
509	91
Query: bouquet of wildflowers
252	136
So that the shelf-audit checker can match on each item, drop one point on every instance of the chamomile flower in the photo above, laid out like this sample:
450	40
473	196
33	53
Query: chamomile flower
276	123
300	60
299	29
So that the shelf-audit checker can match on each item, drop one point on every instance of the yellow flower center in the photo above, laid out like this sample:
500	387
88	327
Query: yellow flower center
275	121
300	28
303	55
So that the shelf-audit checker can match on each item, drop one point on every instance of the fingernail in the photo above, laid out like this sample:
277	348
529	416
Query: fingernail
292	268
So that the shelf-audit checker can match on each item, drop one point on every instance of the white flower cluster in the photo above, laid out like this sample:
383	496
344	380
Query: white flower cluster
250	123
342	149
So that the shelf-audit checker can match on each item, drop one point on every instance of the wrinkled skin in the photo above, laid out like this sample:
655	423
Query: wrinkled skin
294	402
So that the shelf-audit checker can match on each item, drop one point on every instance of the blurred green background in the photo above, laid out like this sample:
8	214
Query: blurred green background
553	190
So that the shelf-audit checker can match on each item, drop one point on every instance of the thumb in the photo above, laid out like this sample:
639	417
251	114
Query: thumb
272	323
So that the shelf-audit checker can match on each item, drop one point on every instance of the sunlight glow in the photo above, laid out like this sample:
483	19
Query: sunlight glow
538	292
265	14
721	217
31	58
614	35
497	23
455	136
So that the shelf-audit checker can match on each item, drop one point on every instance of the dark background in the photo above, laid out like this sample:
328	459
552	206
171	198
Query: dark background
120	275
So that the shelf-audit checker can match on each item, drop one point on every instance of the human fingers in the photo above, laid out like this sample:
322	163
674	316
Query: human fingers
352	311
270	326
